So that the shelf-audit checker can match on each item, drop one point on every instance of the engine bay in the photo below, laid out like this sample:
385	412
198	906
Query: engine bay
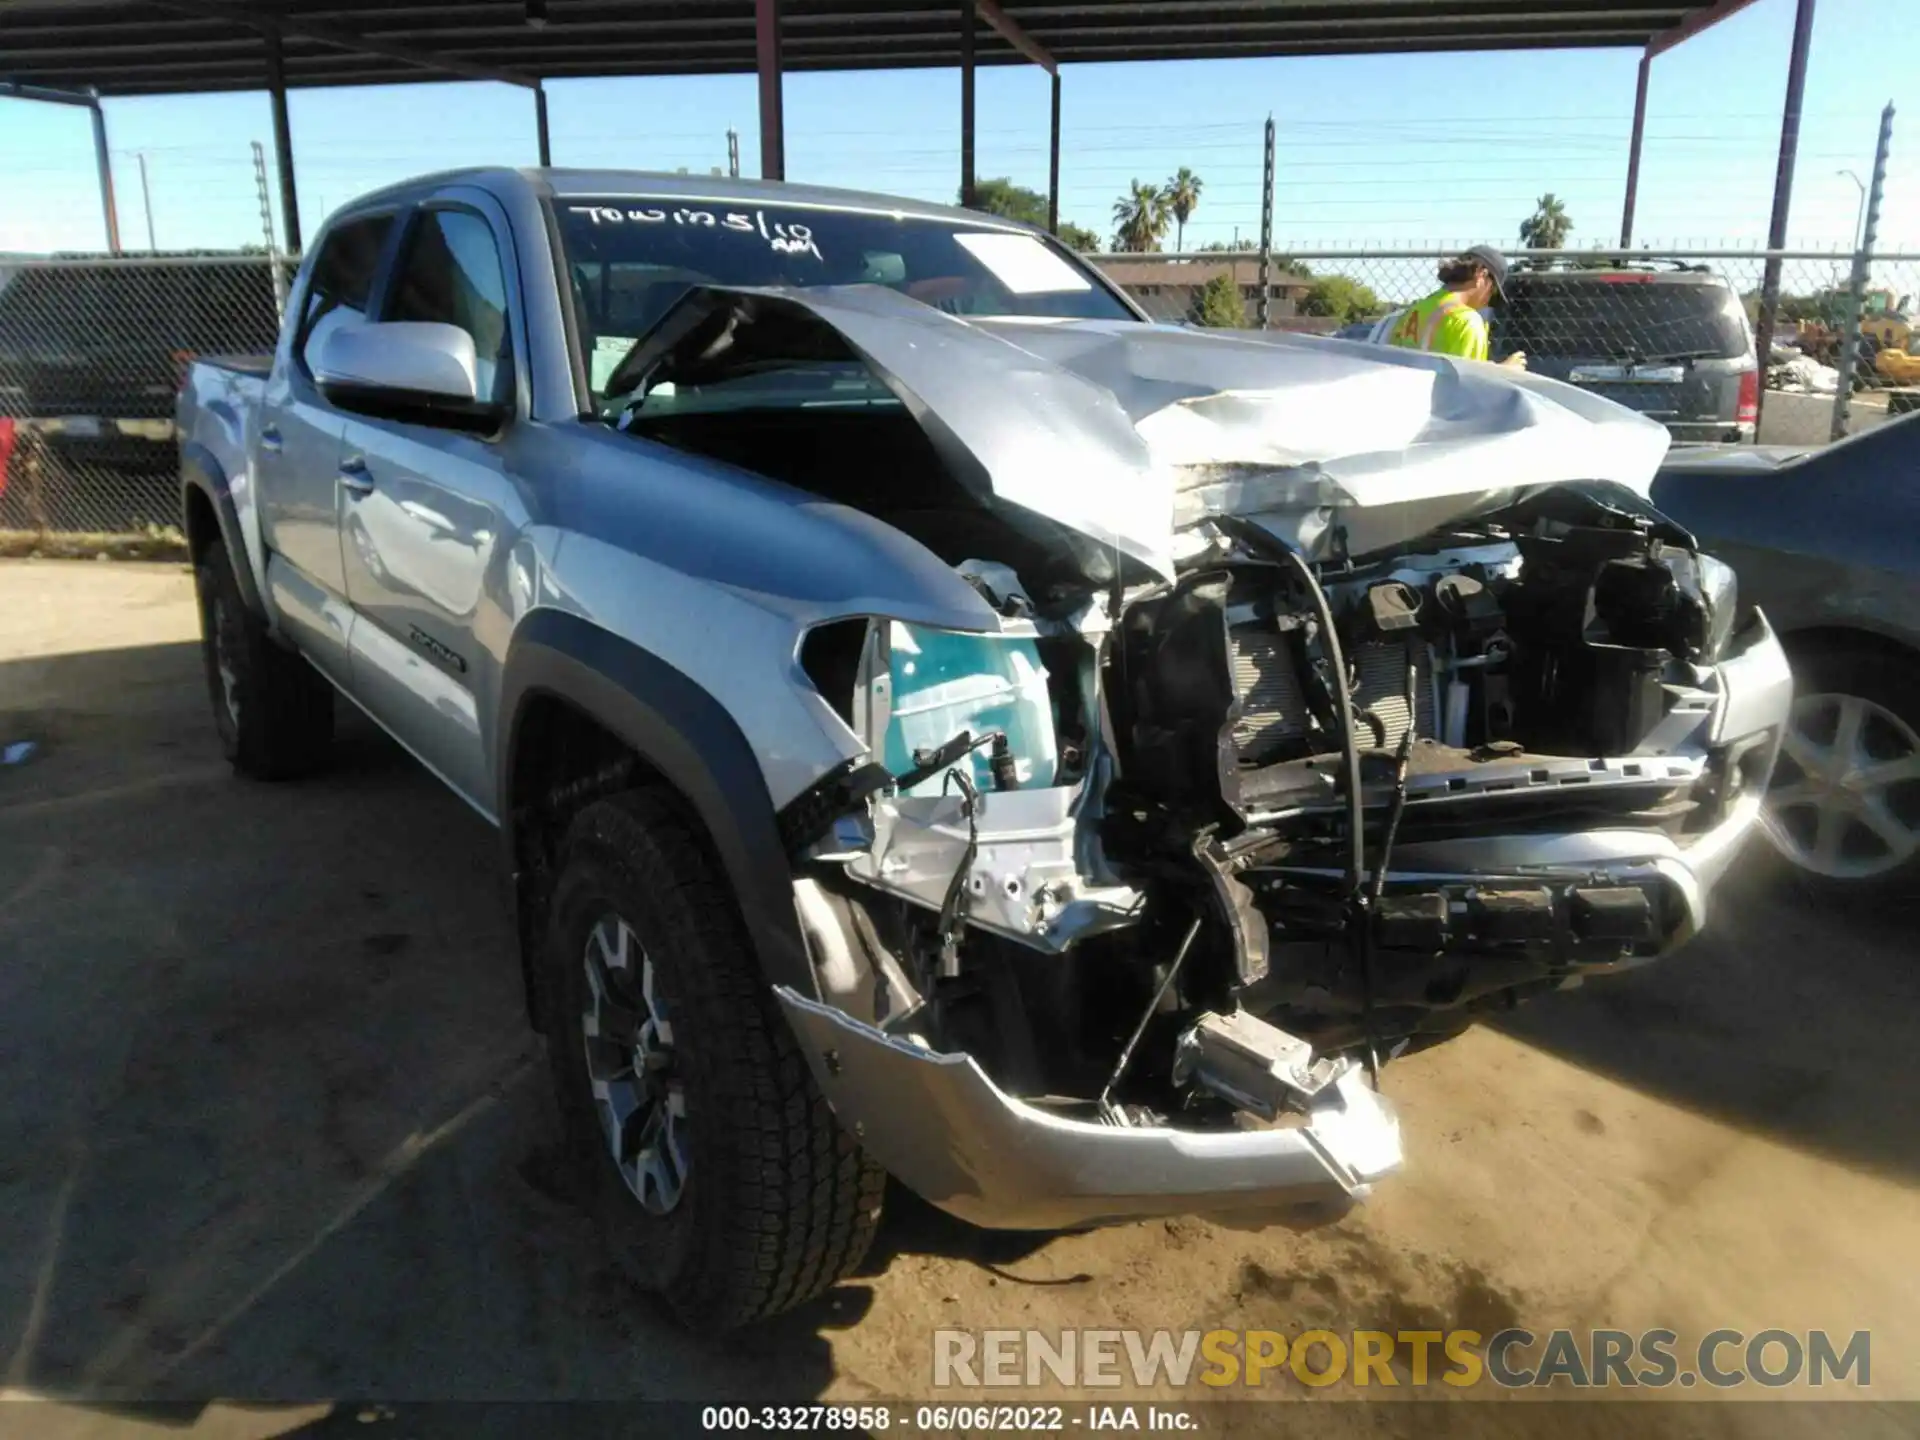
1139	853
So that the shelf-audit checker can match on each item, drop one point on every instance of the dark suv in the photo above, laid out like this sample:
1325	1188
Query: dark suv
1673	344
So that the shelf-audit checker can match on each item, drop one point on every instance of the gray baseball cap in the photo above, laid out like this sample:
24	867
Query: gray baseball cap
1496	264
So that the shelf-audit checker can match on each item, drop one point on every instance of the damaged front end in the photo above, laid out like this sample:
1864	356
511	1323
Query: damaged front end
1127	895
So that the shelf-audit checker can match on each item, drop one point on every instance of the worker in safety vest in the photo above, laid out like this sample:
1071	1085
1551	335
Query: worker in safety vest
1449	321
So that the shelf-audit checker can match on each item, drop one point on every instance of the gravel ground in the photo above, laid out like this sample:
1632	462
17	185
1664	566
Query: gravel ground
275	1128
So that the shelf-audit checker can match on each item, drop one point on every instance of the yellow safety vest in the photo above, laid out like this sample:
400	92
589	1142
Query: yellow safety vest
1444	323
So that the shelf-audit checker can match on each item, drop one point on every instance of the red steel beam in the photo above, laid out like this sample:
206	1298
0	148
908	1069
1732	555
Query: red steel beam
773	126
969	17
1700	20
1633	151
1011	32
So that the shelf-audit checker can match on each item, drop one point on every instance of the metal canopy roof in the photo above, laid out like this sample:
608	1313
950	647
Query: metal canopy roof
144	47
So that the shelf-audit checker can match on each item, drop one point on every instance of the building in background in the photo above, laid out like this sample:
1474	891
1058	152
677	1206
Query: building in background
1170	289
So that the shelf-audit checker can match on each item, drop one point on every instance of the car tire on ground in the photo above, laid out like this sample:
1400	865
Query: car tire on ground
273	710
1844	804
719	1175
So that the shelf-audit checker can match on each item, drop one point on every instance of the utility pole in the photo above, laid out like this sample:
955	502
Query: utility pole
146	198
266	230
1860	210
1857	285
733	153
1266	229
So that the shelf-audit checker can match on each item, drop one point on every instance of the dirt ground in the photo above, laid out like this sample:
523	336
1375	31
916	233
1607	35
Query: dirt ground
1790	419
275	1129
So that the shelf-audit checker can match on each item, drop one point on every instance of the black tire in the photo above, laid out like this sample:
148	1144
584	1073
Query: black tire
1889	681
274	711
777	1202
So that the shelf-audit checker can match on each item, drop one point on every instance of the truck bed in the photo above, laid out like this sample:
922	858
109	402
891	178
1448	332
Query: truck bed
255	365
216	416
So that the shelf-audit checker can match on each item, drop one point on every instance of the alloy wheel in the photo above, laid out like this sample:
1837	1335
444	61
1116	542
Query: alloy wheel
631	1065
224	644
1845	798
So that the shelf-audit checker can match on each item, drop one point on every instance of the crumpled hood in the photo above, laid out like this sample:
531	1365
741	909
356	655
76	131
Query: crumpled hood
1127	432
1303	434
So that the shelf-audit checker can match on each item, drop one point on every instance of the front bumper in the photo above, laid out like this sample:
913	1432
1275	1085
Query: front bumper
952	1136
945	1130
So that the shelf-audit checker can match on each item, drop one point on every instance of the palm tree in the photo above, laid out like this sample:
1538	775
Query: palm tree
1547	227
1140	218
1182	194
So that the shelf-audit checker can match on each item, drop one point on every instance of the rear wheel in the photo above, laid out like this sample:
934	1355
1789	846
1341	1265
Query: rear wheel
1844	805
274	712
718	1172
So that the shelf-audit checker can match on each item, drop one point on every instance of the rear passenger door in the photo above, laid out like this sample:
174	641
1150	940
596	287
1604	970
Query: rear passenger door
428	510
298	446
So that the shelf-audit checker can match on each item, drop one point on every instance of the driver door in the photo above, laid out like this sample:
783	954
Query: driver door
428	512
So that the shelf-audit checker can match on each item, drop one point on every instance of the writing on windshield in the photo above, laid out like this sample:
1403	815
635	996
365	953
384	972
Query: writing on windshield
629	258
788	237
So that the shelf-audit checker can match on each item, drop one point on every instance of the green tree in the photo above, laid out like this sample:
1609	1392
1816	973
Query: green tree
1341	298
1219	304
1140	218
1000	196
1547	227
1182	194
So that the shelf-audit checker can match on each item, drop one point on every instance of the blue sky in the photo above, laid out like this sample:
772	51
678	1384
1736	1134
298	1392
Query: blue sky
1373	150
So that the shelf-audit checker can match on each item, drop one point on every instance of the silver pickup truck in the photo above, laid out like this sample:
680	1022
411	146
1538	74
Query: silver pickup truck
940	723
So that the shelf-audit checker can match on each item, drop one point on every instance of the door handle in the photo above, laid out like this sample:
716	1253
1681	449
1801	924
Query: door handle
353	475
270	438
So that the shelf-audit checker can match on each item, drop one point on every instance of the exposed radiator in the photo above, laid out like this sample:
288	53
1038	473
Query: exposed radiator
1273	708
1273	711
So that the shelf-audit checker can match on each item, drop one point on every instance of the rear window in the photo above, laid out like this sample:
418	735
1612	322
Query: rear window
342	282
1622	318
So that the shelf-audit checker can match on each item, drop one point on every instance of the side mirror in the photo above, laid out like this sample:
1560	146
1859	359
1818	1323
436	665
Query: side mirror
418	370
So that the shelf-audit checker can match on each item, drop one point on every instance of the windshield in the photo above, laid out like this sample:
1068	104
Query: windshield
1629	317
629	259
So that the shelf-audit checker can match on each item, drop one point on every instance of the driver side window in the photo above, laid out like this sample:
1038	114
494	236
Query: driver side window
451	272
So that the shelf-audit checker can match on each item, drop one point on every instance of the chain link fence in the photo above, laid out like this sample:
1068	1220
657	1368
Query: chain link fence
1664	331
92	352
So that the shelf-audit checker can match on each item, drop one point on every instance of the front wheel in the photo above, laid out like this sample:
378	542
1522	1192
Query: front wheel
1844	805
718	1172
